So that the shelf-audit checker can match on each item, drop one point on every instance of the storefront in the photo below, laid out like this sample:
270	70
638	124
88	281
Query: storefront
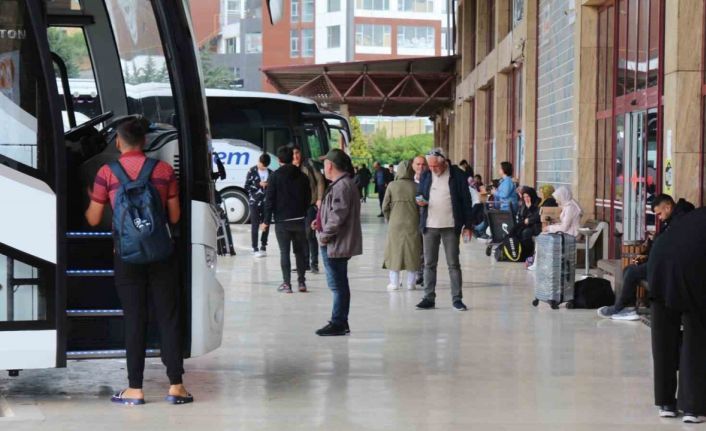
633	154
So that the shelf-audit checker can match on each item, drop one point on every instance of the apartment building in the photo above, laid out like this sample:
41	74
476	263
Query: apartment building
603	96
330	31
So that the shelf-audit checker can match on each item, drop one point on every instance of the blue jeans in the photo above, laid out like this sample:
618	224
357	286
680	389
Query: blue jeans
337	279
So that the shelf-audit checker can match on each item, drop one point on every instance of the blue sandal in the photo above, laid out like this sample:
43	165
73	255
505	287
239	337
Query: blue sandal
177	399
119	399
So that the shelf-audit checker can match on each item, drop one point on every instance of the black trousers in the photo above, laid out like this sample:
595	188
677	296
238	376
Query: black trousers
311	251
257	216
137	286
292	236
673	351
381	195
632	276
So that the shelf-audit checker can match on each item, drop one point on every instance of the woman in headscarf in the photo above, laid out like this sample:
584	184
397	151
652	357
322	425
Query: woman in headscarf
570	218
527	221
677	278
545	192
404	242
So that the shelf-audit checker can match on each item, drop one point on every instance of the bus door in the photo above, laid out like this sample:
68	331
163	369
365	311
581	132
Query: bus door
32	185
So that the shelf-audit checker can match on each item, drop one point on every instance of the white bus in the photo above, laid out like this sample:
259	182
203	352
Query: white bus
57	298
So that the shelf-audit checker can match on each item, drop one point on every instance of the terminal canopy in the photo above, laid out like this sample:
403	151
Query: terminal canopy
400	87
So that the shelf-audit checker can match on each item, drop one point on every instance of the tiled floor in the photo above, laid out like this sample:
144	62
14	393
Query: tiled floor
503	365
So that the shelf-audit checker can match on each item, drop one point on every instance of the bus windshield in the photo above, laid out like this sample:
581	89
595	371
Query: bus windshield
142	59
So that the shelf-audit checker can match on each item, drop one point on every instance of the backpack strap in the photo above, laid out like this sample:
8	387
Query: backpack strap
147	168
119	172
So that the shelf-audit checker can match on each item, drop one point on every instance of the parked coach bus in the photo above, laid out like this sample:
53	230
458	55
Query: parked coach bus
57	299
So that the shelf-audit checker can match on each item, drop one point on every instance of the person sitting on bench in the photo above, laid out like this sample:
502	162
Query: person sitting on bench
666	211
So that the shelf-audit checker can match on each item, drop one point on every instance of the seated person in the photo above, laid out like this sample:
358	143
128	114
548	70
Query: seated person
570	218
545	193
505	196
667	211
478	210
527	221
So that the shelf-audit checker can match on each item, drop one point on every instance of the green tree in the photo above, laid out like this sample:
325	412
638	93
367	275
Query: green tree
70	47
393	151
215	76
360	153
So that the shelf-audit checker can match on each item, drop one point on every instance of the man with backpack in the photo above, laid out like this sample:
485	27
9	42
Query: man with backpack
145	198
287	201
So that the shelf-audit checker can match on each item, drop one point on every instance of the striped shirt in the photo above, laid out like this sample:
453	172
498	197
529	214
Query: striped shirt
106	184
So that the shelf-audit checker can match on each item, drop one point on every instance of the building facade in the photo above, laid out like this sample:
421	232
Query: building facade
603	96
332	31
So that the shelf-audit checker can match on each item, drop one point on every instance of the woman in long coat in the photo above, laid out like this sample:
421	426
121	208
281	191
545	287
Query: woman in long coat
404	241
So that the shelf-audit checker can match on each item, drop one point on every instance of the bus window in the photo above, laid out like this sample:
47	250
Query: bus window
69	43
275	138
314	144
142	58
21	298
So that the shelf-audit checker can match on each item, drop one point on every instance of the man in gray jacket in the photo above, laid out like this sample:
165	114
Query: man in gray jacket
340	236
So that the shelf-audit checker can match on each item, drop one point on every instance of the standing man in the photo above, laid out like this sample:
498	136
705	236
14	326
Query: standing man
364	176
288	197
340	236
136	282
419	164
256	185
446	212
382	179
317	185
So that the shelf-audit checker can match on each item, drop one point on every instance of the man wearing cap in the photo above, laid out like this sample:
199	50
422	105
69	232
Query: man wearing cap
446	212
340	235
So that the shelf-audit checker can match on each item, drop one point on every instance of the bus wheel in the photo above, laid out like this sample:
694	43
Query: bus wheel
236	204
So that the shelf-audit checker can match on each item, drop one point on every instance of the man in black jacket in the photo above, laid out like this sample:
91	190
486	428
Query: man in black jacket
288	198
667	211
256	185
446	212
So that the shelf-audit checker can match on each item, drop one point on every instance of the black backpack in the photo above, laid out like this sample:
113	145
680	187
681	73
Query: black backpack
593	292
512	250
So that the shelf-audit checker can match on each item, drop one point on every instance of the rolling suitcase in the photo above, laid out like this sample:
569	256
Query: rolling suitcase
556	269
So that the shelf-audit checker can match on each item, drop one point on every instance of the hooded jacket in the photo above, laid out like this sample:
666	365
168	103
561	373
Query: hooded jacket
404	244
288	195
531	213
570	218
256	194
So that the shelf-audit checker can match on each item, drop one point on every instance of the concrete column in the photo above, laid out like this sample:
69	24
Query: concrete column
480	153
502	22
481	29
585	105
501	114
682	94
467	30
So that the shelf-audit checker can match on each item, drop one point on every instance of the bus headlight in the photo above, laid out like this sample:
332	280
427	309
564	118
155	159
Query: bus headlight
211	257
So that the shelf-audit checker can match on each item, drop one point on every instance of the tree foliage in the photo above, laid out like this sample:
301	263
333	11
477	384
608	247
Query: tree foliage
360	153
71	47
392	151
215	76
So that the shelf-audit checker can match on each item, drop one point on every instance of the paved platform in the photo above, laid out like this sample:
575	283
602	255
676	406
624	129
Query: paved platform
503	365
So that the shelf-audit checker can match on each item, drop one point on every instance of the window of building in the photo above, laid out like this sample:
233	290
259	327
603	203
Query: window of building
416	5
308	42
294	8
444	40
333	36
293	43
373	4
233	8
307	10
415	37
490	20
231	45
253	43
373	35
334	5
517	9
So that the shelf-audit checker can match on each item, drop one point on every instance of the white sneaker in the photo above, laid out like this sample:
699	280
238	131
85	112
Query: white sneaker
260	254
532	267
627	314
411	287
693	419
391	287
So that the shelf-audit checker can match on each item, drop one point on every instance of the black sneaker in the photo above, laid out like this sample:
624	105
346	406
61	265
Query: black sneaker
302	287
332	330
315	269
420	281
285	288
426	304
348	328
460	306
381	215
668	411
